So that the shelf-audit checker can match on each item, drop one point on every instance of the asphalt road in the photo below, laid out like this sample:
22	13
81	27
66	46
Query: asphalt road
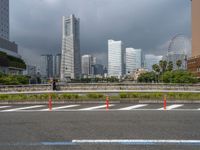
28	130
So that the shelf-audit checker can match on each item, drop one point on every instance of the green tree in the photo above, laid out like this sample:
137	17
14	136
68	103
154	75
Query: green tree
170	66
147	77
179	76
156	68
178	64
163	66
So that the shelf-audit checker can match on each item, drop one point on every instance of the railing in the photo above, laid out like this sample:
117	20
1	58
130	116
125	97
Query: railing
99	86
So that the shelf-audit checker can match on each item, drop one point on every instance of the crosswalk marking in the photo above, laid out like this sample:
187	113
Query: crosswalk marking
23	108
61	107
96	107
80	107
171	107
133	107
1	107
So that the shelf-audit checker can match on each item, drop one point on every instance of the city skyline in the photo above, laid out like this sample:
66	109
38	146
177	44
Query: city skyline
151	35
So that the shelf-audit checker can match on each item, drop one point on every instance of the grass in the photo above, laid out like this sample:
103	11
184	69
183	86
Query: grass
101	97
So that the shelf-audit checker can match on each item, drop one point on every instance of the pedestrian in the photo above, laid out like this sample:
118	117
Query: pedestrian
54	85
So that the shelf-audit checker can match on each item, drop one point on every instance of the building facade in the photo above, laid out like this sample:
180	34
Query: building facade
57	65
98	69
194	61
133	59
88	62
150	60
46	66
10	60
4	19
115	58
195	28
70	56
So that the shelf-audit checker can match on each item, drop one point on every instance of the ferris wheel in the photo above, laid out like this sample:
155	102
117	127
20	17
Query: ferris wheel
179	49
180	44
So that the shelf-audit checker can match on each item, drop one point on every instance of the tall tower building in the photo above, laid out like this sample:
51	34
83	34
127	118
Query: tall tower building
4	19
70	57
115	58
133	59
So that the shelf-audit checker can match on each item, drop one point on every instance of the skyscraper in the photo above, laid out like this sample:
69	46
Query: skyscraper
46	66
115	58
70	57
57	62
4	19
133	59
87	63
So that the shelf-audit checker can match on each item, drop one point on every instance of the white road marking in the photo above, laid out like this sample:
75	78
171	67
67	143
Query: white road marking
133	107
171	107
96	107
61	107
23	108
138	142
1	107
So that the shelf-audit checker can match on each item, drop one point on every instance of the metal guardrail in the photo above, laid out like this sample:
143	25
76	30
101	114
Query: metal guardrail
98	91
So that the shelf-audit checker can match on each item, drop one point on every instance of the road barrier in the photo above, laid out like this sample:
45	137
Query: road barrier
165	102
107	102
50	102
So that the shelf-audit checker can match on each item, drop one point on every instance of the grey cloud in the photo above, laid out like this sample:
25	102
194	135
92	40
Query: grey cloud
146	24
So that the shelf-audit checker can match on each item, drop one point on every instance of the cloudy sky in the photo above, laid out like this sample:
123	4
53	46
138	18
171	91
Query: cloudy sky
147	24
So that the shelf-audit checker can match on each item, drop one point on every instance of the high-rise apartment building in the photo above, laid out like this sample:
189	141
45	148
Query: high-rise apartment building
70	57
133	59
46	66
194	62
4	19
150	60
88	62
57	64
115	58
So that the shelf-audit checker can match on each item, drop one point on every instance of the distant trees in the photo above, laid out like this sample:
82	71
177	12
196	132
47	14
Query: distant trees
13	79
164	72
179	64
148	77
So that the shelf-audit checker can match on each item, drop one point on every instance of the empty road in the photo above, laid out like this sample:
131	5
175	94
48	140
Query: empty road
124	127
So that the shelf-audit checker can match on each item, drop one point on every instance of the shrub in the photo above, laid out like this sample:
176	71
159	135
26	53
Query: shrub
95	95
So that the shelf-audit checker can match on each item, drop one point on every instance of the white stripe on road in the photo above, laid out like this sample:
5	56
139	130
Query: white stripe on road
23	108
171	107
142	142
139	142
96	107
1	107
61	107
133	107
